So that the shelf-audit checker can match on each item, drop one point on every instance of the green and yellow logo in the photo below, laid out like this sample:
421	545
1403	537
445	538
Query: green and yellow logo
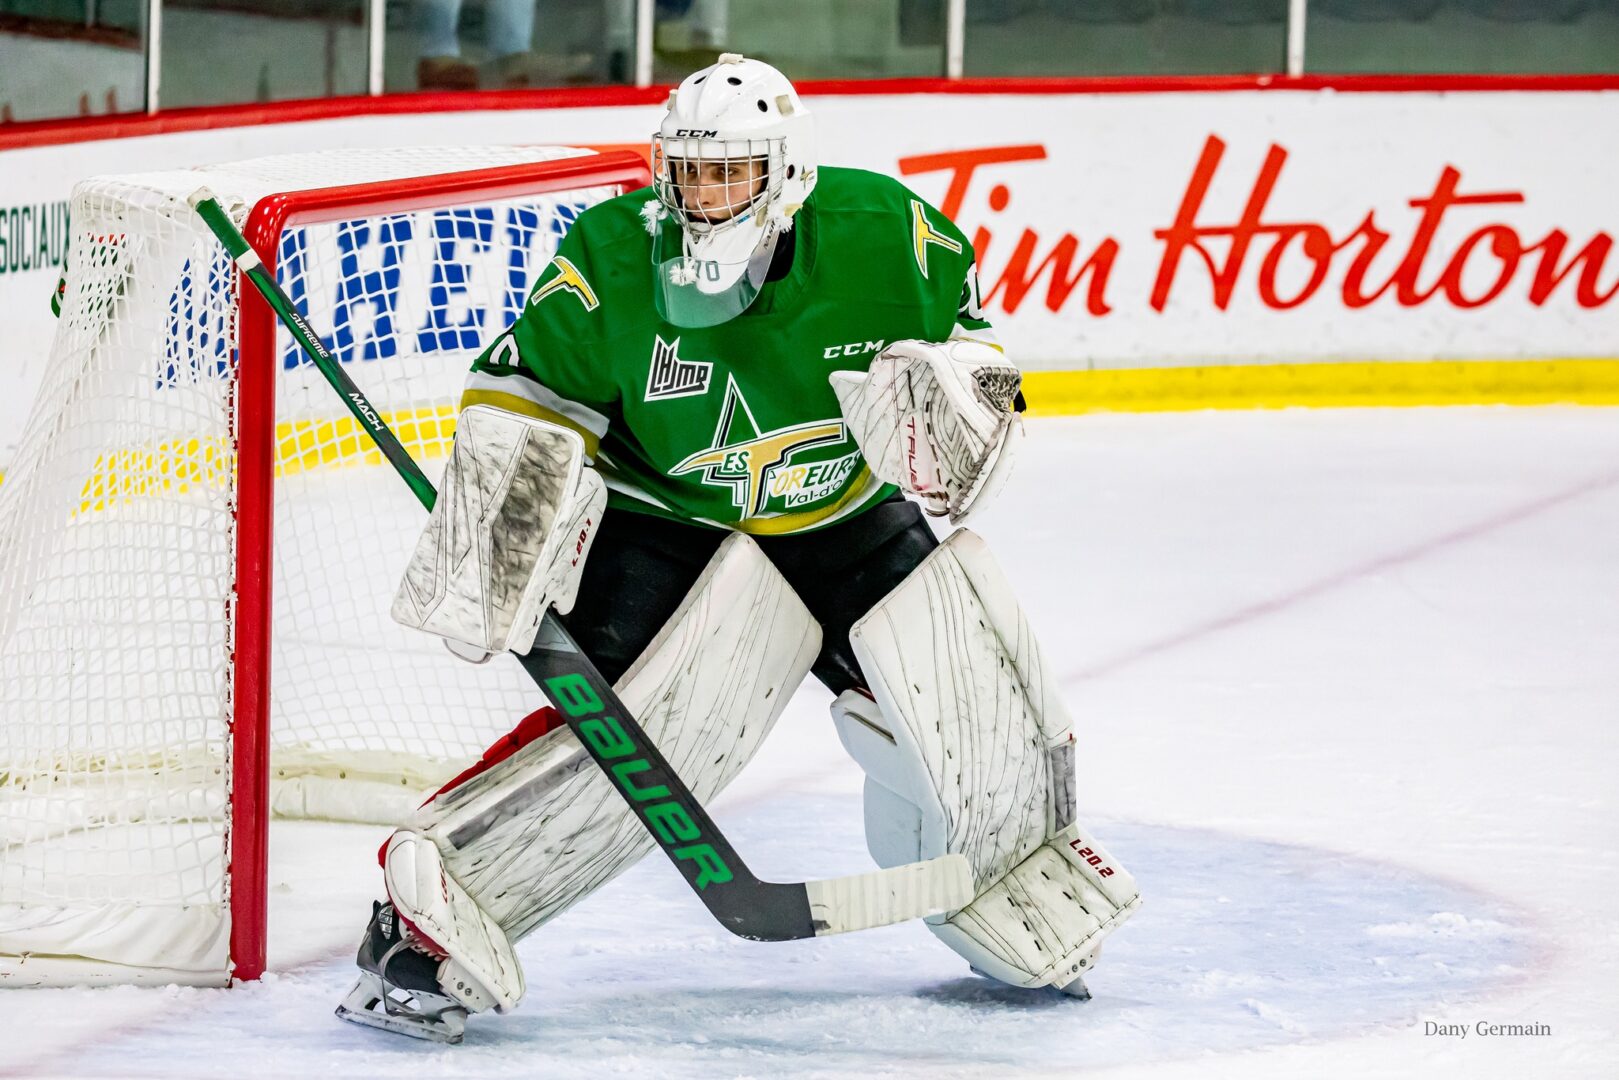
569	279
749	461
923	233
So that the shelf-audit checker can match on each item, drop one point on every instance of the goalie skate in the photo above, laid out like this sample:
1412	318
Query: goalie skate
1074	988
399	988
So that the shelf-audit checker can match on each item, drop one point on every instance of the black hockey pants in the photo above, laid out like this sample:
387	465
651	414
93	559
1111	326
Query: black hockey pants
640	567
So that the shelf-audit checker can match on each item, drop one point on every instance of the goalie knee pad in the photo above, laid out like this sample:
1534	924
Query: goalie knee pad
535	832
967	749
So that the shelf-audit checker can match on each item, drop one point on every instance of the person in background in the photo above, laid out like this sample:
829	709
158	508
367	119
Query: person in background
686	29
508	39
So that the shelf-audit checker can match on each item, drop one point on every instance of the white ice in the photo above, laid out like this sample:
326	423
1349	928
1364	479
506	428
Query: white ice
1344	684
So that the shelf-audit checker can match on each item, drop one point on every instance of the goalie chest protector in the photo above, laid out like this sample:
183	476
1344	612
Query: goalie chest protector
736	424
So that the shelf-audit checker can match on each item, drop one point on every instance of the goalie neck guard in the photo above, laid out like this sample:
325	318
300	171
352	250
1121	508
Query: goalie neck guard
732	162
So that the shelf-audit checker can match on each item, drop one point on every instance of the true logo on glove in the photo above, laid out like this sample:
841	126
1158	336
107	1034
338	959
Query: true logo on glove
606	738
918	462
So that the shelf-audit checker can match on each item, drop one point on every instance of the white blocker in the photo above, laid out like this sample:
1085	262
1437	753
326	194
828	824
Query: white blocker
508	536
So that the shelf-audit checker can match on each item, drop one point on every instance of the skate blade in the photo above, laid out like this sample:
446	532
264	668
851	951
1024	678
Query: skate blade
1076	989
364	1005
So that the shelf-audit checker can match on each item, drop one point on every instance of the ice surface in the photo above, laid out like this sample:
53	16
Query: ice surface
1345	684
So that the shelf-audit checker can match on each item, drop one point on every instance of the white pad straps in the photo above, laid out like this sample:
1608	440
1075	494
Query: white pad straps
507	538
936	419
544	828
967	749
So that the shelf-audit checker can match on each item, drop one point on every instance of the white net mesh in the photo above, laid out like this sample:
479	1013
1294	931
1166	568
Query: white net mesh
117	545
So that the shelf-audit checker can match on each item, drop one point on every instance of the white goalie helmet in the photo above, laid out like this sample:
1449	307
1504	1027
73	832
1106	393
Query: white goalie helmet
732	162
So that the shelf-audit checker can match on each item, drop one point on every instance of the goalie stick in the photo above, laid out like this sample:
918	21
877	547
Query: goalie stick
667	809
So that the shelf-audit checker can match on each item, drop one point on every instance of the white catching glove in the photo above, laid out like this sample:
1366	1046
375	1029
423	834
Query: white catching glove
507	539
936	419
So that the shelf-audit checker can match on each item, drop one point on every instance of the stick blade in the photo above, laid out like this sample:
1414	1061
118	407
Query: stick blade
883	897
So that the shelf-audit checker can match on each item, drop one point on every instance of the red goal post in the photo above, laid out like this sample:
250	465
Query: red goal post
149	440
268	221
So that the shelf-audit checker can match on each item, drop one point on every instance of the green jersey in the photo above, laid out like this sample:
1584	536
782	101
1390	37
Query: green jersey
734	425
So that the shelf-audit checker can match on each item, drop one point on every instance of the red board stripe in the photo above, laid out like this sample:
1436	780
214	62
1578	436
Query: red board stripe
131	125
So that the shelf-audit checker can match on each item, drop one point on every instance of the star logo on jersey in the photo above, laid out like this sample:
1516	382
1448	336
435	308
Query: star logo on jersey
743	458
923	233
570	280
671	377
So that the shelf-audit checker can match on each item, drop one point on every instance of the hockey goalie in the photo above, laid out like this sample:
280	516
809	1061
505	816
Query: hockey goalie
708	443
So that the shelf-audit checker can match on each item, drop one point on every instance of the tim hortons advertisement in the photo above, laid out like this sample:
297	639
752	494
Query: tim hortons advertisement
1252	258
1112	231
1159	230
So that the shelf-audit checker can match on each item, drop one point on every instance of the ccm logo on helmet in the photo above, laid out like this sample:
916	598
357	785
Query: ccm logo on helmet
695	133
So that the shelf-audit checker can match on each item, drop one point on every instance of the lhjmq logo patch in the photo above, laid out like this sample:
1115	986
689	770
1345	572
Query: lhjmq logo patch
671	377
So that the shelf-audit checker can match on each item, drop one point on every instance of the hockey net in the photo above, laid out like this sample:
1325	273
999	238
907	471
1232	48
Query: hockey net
157	697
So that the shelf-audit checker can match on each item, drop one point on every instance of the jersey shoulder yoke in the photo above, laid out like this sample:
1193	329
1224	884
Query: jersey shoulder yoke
843	190
615	221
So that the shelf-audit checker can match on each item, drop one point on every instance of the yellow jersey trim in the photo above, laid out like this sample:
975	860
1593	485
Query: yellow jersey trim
791	523
524	407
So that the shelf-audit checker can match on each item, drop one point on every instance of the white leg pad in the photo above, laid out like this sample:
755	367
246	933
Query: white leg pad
480	970
1043	922
968	749
544	828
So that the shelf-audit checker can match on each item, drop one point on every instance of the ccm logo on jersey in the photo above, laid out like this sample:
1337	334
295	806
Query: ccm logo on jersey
1091	857
854	348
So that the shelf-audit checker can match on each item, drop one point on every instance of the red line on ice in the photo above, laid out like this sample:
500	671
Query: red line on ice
1274	604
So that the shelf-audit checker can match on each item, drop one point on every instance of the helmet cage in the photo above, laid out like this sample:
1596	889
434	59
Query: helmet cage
678	163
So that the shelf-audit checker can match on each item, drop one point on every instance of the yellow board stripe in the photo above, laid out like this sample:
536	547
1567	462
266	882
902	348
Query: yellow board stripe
1277	386
176	465
172	466
425	431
